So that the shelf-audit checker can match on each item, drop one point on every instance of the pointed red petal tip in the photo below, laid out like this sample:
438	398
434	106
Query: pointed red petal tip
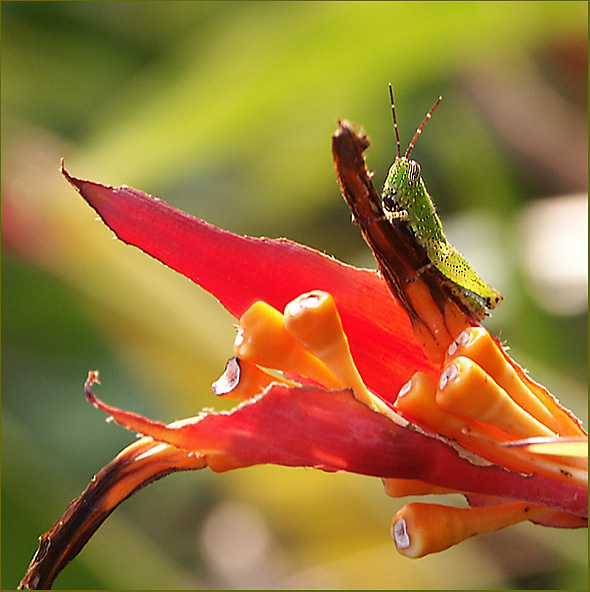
77	183
90	396
239	270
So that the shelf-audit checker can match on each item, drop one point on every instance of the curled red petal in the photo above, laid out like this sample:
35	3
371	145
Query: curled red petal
333	431
135	467
238	270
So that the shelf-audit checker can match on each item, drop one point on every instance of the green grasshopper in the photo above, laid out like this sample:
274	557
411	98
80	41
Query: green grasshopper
404	197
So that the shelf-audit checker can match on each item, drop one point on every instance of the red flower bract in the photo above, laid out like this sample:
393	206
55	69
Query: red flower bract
304	427
373	353
333	431
239	270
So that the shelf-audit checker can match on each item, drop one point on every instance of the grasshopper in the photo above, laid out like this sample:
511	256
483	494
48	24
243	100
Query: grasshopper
405	198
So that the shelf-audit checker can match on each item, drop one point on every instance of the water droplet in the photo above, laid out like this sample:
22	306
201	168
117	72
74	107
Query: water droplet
239	337
449	373
405	389
399	534
463	339
230	378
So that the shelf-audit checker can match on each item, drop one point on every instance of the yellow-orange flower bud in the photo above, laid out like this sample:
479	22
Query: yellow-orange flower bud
420	529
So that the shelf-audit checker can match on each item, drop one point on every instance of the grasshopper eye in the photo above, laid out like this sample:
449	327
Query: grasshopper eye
413	171
389	199
493	301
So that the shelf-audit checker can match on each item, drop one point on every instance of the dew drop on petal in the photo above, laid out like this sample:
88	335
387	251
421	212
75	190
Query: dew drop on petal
450	372
454	346
230	378
239	337
399	534
463	339
109	419
309	300
405	389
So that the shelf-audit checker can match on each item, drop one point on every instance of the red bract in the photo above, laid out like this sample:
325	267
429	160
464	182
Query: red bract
343	416
239	270
333	431
306	426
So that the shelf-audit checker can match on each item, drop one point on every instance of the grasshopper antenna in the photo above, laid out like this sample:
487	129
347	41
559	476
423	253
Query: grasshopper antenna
394	121
419	130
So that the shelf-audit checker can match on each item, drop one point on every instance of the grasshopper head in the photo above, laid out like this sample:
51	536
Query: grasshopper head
493	299
401	184
403	180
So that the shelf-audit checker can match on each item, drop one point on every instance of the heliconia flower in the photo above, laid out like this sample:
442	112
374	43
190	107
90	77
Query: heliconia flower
331	372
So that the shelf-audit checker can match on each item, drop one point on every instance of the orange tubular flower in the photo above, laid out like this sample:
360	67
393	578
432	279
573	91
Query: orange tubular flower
341	369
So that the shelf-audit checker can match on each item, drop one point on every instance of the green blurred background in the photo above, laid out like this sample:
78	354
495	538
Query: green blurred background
226	110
